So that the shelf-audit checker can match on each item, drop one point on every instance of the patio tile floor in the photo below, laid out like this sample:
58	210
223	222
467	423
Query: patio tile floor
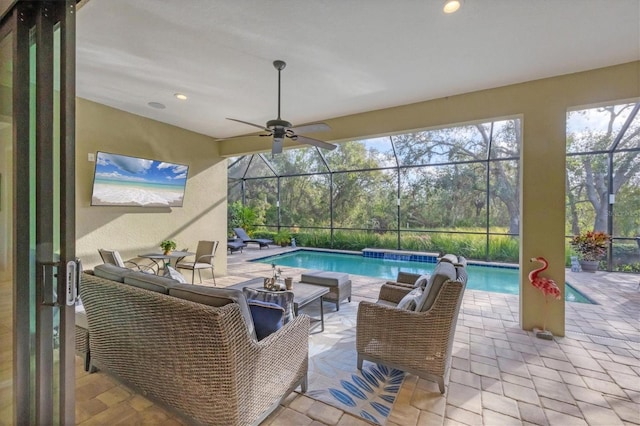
500	374
504	375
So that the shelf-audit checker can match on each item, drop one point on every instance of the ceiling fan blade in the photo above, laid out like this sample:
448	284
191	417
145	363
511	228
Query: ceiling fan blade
311	128
250	124
315	142
242	137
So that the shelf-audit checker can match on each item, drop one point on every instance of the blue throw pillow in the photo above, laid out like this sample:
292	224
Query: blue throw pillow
267	317
280	298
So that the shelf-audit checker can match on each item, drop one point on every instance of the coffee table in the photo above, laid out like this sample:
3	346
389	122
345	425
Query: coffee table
303	294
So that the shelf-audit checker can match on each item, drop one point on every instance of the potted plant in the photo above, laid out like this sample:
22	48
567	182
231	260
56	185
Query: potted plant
283	237
167	246
591	247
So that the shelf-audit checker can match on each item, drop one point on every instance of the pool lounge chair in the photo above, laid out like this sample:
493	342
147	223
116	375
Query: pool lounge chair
235	245
242	234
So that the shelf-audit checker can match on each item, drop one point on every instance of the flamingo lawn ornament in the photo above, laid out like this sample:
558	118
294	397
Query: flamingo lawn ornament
548	287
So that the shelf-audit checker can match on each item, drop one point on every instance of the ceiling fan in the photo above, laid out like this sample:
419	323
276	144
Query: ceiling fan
281	129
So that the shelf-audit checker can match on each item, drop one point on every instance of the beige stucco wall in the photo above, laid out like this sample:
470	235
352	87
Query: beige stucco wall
134	230
543	105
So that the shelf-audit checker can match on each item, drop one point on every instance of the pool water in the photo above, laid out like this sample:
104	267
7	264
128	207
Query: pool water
486	278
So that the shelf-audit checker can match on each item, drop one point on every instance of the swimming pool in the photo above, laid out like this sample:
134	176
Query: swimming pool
486	278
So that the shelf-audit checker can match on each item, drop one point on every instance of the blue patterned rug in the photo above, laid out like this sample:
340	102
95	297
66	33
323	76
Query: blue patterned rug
333	374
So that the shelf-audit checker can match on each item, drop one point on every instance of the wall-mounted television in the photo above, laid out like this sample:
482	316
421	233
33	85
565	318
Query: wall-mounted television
120	180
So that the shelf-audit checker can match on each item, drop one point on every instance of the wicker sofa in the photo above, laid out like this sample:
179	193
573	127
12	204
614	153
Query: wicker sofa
192	348
416	341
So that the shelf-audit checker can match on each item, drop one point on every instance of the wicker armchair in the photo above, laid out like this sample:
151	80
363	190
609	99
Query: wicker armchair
394	291
200	360
405	279
418	342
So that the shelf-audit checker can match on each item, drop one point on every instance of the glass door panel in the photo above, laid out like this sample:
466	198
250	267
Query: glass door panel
6	228
37	214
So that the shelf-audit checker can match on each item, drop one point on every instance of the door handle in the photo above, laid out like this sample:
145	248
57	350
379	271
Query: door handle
43	283
72	283
71	291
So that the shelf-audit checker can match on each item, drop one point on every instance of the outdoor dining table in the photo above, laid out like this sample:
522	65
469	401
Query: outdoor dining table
166	258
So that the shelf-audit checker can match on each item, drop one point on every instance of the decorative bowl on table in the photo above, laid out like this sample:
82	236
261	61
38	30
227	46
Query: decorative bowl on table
274	284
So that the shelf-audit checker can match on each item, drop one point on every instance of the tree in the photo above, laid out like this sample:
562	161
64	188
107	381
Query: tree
591	134
459	177
462	186
239	216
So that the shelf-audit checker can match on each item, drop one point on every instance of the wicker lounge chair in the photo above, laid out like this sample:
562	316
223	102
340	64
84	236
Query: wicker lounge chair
420	341
242	234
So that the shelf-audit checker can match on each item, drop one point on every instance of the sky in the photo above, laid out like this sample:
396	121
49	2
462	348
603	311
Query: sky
132	169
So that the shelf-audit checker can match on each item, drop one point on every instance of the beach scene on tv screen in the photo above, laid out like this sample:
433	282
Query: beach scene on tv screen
121	180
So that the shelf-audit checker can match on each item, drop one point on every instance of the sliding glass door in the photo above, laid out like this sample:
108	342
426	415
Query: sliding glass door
6	221
38	272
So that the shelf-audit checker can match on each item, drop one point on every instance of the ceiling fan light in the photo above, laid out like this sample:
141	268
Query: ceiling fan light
451	6
276	147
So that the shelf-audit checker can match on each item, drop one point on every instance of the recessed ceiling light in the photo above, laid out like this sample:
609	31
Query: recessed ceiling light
181	96
451	6
156	105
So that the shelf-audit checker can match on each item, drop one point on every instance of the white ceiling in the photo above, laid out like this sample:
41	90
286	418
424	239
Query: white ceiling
343	56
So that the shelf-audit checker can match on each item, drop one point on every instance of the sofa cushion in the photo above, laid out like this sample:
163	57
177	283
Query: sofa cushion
217	297
267	317
409	301
444	271
170	272
150	282
280	298
111	272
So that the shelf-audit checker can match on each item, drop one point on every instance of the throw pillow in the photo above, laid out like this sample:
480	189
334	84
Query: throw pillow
280	298
422	281
451	258
170	272
409	301
267	317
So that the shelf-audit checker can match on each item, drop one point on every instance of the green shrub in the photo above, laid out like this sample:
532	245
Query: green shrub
472	246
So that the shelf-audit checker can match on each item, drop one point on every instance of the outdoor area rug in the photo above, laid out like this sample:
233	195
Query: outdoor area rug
333	374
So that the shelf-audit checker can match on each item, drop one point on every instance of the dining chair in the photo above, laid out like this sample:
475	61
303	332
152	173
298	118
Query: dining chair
205	254
113	257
